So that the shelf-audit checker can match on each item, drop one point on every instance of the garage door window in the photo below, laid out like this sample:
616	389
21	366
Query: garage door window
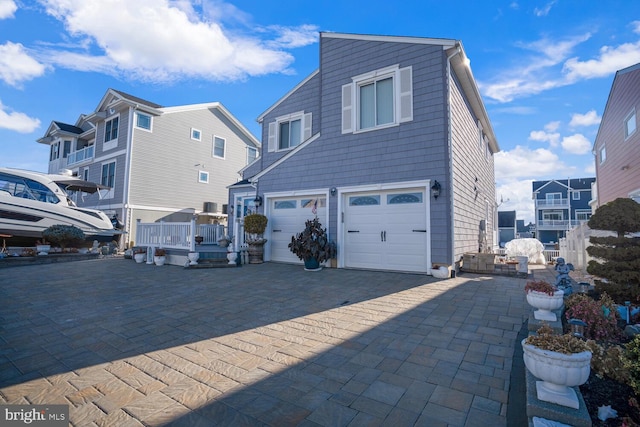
396	199
285	204
364	200
308	203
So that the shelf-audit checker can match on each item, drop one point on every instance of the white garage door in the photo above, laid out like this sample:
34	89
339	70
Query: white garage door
386	230
287	218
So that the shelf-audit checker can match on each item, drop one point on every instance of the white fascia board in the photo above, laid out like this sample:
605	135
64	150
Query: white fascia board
447	43
288	94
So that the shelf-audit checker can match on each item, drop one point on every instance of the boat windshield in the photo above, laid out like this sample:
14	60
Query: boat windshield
27	189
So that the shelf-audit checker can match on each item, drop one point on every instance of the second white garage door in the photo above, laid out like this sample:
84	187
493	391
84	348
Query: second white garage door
386	230
287	217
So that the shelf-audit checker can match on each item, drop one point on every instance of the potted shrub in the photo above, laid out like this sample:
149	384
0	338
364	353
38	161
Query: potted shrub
312	245
159	256
254	226
64	235
560	361
139	255
545	297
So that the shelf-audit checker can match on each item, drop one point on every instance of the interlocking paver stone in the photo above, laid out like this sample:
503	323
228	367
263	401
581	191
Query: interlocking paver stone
130	345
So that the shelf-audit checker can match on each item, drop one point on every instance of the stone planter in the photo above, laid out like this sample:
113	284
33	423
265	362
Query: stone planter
139	257
193	258
545	303
159	260
558	372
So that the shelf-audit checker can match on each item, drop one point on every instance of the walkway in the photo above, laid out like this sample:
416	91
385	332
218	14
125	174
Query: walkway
129	345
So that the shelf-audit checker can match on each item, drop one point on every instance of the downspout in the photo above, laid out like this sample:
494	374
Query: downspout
127	179
450	147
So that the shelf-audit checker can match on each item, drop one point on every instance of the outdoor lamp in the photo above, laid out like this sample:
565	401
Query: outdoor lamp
577	327
435	189
257	201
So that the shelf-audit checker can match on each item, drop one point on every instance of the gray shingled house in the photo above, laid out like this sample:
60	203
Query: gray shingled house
388	142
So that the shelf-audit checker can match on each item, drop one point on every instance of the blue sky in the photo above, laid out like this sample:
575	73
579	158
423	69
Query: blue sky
544	68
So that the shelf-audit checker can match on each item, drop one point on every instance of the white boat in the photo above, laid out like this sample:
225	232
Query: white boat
30	202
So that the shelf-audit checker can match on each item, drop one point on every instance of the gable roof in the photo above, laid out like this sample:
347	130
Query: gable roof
68	128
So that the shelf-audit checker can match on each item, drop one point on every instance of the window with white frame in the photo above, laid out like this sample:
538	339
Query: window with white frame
603	154
553	198
252	154
377	99
552	215
66	149
196	134
111	129
203	177
218	147
583	214
55	151
108	177
143	121
288	131
575	195
630	124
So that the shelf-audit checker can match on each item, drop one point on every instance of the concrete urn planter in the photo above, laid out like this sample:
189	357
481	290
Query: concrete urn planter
545	304
558	372
193	258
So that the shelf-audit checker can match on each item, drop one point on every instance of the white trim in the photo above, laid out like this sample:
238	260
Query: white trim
213	147
283	158
286	95
200	180
199	138
446	43
112	143
627	119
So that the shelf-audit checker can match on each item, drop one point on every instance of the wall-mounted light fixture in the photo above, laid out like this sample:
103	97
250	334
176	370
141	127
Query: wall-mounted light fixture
257	201
435	189
333	191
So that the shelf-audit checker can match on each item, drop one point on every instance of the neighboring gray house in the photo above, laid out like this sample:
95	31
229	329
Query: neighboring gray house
390	145
161	162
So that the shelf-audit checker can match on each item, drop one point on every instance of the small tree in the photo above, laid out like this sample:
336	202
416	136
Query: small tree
618	257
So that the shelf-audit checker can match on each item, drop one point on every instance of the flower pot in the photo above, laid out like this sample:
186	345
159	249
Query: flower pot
312	264
140	257
256	252
545	303
159	260
558	373
232	257
193	258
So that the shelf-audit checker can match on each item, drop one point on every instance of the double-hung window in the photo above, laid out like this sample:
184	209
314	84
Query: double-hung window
378	99
289	131
111	129
252	154
218	147
108	178
630	124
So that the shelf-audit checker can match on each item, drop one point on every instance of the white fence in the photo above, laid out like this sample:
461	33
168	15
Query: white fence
548	254
177	235
573	248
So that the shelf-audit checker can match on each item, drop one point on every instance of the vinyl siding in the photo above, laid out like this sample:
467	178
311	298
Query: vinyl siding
164	171
612	180
471	168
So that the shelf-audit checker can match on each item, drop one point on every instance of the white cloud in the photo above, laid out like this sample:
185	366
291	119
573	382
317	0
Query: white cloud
590	169
173	41
516	196
18	122
576	144
544	11
525	163
549	134
7	8
16	65
590	118
610	60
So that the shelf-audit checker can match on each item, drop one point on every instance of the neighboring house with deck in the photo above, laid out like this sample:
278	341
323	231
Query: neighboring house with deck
162	163
560	205
388	142
617	145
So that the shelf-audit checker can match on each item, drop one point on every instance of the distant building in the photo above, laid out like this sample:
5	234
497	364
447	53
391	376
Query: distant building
160	162
524	231
507	227
617	145
560	205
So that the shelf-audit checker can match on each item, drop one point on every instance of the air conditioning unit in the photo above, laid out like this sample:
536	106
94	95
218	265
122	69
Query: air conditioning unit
210	207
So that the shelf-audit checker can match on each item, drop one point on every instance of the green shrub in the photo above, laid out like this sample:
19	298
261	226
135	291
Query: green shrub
64	235
631	363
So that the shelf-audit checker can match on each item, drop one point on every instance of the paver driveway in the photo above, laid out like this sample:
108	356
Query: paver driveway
127	344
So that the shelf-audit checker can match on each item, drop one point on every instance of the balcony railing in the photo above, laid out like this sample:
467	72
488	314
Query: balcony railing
558	224
80	155
552	203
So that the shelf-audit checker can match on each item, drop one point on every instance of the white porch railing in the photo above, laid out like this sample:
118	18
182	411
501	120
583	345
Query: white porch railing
549	254
80	155
177	235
